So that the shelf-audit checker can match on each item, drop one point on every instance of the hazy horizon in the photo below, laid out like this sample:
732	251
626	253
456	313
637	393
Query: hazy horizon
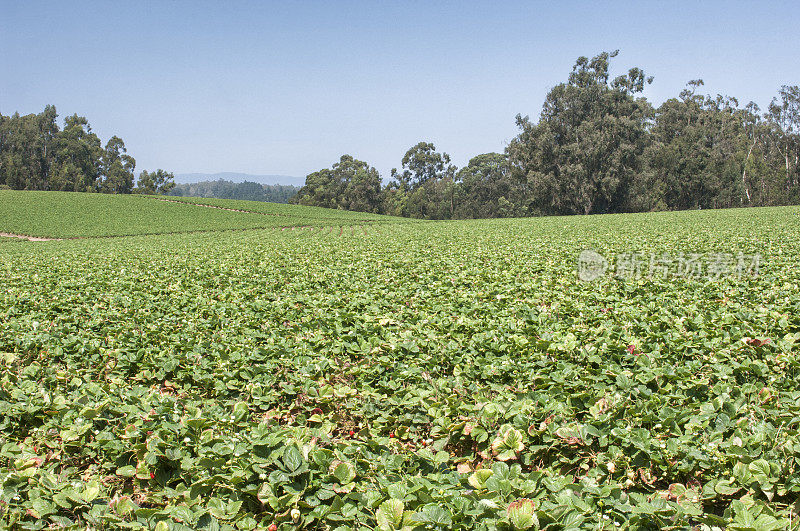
238	177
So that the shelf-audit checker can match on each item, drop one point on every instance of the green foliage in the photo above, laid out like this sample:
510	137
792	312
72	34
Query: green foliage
116	168
77	153
347	379
486	188
422	163
391	516
157	182
36	155
585	151
350	184
522	514
599	146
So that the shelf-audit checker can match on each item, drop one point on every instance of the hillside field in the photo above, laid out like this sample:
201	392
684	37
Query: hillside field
81	215
335	370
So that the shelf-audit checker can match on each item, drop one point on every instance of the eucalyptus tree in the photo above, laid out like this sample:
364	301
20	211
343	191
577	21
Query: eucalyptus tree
584	152
486	188
117	168
35	154
78	152
426	183
422	163
26	149
784	112
349	184
156	182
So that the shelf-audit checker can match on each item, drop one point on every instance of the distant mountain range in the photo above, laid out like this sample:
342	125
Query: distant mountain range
184	178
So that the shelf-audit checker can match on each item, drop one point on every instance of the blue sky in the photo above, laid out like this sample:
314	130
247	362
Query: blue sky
287	87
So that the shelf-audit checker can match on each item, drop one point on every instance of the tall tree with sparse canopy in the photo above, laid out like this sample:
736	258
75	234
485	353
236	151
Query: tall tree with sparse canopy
156	182
118	166
582	155
426	186
784	112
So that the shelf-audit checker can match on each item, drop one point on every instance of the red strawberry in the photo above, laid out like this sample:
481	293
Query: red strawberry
152	475
272	527
352	433
391	435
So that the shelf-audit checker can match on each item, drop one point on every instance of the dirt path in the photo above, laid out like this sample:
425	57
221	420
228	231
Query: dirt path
113	236
272	214
217	207
24	237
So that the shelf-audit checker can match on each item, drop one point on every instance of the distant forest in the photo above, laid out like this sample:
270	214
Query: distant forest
598	146
250	191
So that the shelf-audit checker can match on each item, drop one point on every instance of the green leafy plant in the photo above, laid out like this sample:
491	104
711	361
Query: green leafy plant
416	376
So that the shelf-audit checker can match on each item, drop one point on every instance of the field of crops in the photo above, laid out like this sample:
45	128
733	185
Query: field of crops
438	375
294	211
76	215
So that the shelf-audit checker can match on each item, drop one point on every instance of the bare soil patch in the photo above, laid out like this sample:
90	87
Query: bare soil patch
217	207
25	237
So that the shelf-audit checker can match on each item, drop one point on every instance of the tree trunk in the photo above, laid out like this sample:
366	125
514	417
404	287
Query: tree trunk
788	177
744	170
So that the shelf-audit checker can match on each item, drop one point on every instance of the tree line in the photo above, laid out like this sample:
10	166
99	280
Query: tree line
37	154
598	146
250	191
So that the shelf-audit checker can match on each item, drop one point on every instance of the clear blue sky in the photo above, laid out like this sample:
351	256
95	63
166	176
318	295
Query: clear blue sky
287	87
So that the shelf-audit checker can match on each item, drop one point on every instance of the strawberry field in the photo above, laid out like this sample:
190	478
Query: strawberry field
436	375
80	215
